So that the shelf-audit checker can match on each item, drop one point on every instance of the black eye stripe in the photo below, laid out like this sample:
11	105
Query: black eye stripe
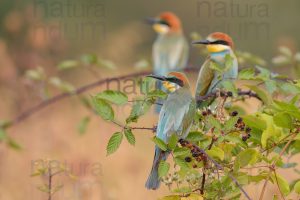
176	80
220	42
164	22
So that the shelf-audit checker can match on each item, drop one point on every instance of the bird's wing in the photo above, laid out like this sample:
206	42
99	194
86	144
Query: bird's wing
205	78
175	117
170	54
178	54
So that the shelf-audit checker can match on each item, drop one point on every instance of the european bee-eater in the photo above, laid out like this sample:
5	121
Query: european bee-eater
176	117
219	46
170	50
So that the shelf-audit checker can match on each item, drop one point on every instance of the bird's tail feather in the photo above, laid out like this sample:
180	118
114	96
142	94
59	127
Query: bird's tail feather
153	180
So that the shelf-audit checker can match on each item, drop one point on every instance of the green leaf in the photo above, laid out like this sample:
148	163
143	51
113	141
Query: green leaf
171	197
271	86
160	143
282	183
266	98
246	157
172	142
129	136
229	86
254	122
13	144
139	108
68	64
179	151
147	84
62	85
287	107
103	108
112	96
229	124
213	122
181	163
247	74
284	120
114	143
37	74
157	93
3	134
195	136
83	125
216	152
163	168
89	59
297	187
106	63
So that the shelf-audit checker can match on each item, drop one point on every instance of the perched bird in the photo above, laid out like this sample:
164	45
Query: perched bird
170	50
175	117
220	48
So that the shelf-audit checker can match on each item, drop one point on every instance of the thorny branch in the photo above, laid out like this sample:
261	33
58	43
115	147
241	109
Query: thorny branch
204	156
272	166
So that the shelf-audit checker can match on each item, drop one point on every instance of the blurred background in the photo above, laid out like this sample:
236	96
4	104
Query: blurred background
51	40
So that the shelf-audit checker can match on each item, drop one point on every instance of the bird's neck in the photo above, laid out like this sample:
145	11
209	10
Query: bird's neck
220	56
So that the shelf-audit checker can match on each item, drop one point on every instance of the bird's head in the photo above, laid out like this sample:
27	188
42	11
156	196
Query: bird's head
173	81
165	23
217	42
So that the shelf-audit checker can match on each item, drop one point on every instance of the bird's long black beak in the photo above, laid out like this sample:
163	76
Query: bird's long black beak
151	21
161	78
205	42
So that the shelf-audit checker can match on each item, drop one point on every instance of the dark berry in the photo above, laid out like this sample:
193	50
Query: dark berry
229	94
240	120
249	135
244	138
188	159
248	130
222	94
208	111
204	113
234	113
194	166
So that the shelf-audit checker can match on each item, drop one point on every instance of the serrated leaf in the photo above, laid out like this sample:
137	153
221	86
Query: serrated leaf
139	108
172	142
213	122
114	143
163	168
229	124
129	136
216	152
103	108
160	143
112	96
83	125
